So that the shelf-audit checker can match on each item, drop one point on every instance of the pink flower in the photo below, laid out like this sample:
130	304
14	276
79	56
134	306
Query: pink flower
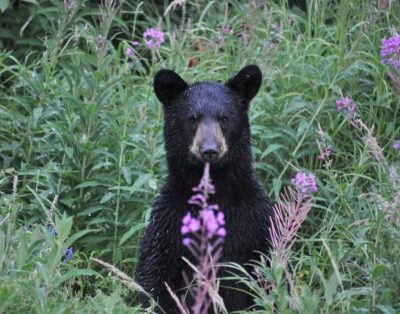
305	183
390	51
211	220
221	218
186	219
221	232
290	211
396	145
190	224
346	103
194	225
326	153
203	237
153	38
129	52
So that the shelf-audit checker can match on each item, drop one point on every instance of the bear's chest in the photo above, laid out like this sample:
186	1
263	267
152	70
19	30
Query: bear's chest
246	226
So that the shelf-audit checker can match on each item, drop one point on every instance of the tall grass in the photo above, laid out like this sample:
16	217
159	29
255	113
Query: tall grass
80	123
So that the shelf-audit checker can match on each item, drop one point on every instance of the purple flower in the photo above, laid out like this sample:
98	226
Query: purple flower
190	224
305	183
153	38
135	43
210	219
392	173
396	145
203	236
187	218
129	52
53	231
275	27
213	222
70	4
326	153
226	30
390	51
221	232
69	253
346	103
194	225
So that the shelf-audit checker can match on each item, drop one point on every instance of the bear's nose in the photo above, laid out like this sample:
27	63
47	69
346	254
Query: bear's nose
209	153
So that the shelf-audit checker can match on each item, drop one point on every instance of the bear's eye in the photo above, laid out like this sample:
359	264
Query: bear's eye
223	120
192	119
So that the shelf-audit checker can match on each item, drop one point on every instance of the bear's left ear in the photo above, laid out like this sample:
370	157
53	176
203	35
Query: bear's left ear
168	85
247	82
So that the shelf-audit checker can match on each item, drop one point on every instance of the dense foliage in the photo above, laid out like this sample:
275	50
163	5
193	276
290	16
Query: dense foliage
82	158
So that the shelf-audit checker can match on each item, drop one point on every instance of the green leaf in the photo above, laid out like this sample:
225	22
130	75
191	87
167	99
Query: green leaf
2	244
75	273
37	113
106	197
378	270
276	184
131	232
6	33
4	4
386	309
87	184
91	210
69	151
63	226
76	236
270	149
139	183
126	172
153	184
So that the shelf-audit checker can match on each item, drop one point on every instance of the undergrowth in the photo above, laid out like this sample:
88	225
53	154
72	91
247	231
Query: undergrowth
82	158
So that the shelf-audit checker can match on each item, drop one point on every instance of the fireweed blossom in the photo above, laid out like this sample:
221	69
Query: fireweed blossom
305	183
129	52
396	145
326	153
203	235
153	38
390	51
346	104
210	221
275	27
290	211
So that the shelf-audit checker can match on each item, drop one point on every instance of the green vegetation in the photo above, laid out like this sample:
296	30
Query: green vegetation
81	149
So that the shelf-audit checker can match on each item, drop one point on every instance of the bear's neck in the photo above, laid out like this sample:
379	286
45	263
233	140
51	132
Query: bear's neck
230	180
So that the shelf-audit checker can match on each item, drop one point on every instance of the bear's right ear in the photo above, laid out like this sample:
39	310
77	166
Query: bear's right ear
247	82
168	85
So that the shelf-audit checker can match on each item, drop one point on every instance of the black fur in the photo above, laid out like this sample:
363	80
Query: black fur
238	193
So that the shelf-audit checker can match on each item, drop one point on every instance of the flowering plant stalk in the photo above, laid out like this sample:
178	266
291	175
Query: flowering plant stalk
290	211
390	51
203	235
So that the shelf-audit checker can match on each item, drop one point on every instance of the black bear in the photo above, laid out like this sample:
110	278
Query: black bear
205	122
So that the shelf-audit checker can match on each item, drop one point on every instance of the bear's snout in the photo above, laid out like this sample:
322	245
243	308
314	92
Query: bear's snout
209	144
209	152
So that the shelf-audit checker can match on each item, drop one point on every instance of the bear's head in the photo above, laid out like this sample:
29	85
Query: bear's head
207	121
